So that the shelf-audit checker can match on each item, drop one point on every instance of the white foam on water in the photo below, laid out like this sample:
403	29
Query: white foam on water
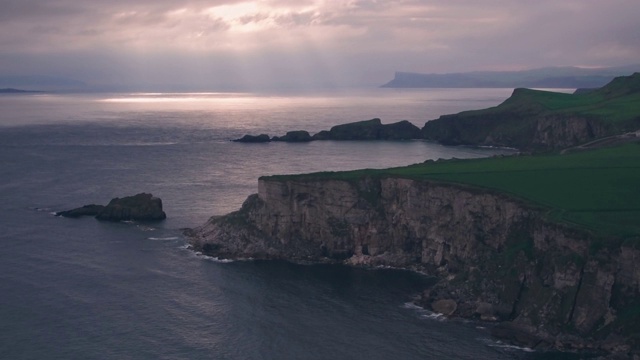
433	316
499	344
424	313
212	258
164	238
410	305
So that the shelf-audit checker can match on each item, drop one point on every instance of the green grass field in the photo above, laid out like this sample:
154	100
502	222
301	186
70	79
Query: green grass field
617	109
596	189
618	101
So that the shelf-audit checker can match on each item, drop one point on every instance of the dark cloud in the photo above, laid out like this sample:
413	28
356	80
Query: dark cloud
345	41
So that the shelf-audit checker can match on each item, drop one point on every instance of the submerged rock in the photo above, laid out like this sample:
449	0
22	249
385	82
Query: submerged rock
143	206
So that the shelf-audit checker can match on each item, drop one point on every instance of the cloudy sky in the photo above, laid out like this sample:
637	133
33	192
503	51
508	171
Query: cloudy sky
221	43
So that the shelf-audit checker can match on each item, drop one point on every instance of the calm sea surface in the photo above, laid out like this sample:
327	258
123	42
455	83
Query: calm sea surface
83	289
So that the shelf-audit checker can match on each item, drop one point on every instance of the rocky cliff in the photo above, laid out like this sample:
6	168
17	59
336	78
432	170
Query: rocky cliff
523	124
499	259
143	207
534	120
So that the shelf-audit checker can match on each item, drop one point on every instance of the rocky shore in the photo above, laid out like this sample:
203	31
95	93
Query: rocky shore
548	286
544	284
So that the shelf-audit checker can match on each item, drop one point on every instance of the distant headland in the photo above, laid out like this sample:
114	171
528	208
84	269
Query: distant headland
550	77
18	91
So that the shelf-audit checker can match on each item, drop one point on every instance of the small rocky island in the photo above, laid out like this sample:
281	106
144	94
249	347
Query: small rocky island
140	207
360	130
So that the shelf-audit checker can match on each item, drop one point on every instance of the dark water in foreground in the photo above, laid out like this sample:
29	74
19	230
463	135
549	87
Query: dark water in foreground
83	289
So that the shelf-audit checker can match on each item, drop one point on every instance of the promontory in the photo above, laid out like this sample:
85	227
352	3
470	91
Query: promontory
544	246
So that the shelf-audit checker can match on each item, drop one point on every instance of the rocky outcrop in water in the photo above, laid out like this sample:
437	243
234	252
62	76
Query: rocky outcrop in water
371	130
294	136
498	259
262	138
141	207
361	130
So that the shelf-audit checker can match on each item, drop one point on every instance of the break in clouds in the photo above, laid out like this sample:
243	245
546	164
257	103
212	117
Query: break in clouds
305	42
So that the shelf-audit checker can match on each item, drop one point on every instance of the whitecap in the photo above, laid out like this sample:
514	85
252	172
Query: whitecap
164	238
424	313
410	305
433	316
212	258
501	345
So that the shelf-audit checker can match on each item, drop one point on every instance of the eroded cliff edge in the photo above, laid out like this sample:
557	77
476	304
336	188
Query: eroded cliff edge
498	258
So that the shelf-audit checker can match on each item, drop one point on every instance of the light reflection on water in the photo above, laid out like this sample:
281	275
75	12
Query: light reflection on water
78	288
262	112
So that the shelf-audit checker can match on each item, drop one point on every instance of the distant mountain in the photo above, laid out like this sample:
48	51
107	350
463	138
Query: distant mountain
41	82
550	77
17	91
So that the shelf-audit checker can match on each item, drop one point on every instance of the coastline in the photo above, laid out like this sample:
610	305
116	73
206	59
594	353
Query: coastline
528	263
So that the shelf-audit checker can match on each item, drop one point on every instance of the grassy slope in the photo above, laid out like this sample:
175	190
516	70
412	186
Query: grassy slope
597	189
612	109
616	102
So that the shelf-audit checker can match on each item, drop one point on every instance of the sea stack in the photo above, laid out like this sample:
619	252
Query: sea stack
141	207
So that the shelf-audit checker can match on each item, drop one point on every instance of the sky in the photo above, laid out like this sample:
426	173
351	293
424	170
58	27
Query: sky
219	44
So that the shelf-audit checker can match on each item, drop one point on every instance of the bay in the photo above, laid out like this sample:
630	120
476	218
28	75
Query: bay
79	288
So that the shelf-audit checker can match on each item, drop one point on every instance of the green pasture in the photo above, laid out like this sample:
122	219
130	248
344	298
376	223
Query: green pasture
618	101
597	189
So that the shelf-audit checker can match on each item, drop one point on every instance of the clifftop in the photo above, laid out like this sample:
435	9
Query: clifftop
548	283
535	120
545	245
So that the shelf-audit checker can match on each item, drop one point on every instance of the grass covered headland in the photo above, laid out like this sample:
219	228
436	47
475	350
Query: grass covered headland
596	189
539	121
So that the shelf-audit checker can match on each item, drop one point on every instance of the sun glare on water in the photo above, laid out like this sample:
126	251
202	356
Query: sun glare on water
176	97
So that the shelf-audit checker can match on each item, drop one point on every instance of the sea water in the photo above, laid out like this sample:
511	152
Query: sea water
84	289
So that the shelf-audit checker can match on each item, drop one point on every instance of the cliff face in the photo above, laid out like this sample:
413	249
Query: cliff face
535	120
531	132
498	259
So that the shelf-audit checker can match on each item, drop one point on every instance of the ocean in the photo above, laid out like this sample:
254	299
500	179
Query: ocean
84	289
